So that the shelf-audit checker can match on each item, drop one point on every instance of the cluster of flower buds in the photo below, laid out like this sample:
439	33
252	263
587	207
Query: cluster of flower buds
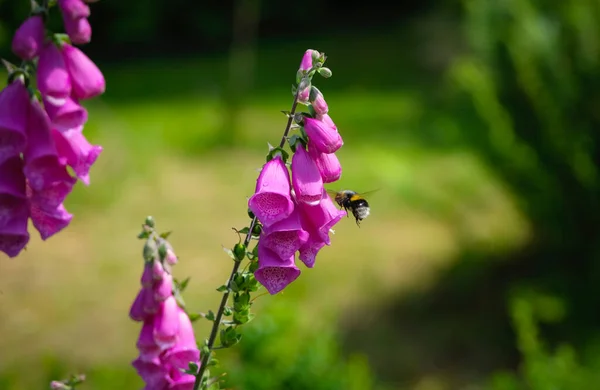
298	214
41	131
166	344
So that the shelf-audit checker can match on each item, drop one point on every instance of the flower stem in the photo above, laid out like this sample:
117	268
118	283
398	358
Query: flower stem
236	266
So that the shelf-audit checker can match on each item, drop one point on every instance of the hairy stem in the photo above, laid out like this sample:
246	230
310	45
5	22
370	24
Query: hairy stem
236	266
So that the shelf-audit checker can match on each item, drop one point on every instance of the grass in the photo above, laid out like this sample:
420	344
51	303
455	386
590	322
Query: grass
64	302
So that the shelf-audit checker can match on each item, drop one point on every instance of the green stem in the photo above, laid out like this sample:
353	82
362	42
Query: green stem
236	266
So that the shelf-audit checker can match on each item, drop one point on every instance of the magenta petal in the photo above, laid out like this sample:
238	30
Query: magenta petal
14	109
308	251
285	237
327	120
13	226
271	201
52	196
325	138
136	312
147	279
273	272
87	79
75	149
166	323
307	61
53	78
321	217
149	349
69	115
306	178
151	305
74	9
12	179
185	349
29	38
79	30
158	271
164	288
50	222
185	382
318	102
328	164
154	374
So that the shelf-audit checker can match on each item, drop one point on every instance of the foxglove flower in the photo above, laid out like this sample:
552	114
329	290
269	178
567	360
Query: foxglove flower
14	211
307	60
86	78
29	38
69	115
285	237
49	221
306	178
273	272
76	151
322	135
14	109
74	9
79	30
321	218
318	102
271	201
328	164
53	79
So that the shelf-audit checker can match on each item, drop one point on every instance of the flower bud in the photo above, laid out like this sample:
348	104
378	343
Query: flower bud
318	102
29	38
79	30
86	78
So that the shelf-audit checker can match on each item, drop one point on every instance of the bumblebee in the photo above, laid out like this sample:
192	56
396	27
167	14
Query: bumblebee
353	201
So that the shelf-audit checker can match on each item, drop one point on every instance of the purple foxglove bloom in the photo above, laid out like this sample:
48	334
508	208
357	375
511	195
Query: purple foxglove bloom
306	178
151	305
86	78
163	288
14	210
166	323
307	61
158	271
181	381
273	272
69	115
74	9
318	102
328	164
14	109
153	373
50	222
79	30
304	95
42	166
308	251
285	237
325	138
147	279
171	257
136	312
53	79
321	217
146	344
52	196
76	151
328	121
271	201
29	38
185	349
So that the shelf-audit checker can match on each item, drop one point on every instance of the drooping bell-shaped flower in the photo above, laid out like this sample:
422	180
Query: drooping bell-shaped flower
324	137
146	344
273	272
86	78
29	38
137	312
154	374
185	349
14	109
74	9
166	323
79	30
307	60
69	115
328	164
14	210
321	217
271	201
284	237
318	101
53	79
180	380
163	288
327	120
306	178
49	221
74	148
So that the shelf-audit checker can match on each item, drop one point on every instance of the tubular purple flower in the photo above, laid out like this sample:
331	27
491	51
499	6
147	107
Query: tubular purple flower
164	288
69	115
153	373
50	197
166	323
308	251
181	380
318	102
185	349
49	221
42	166
271	201
14	109
79	30
285	237
306	178
158	271
324	137
86	78
53	79
321	217
29	38
327	120
146	344
307	61
14	211
137	312
273	272
74	148
328	164
74	9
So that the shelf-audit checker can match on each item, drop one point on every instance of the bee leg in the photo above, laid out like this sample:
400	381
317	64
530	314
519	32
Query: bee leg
357	222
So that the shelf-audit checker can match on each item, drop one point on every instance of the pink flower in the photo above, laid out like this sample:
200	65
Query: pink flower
324	137
271	201
307	61
308	251
74	9
29	38
185	349
53	80
14	211
327	120
273	272
14	109
146	344
79	30
163	288
306	178
137	312
328	164
166	323
74	148
86	78
69	115
154	374
49	221
318	102
285	237
318	220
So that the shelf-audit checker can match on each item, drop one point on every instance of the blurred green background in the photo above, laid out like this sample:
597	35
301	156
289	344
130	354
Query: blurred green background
479	267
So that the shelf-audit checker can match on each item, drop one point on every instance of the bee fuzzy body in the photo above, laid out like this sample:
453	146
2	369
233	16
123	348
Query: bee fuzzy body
354	202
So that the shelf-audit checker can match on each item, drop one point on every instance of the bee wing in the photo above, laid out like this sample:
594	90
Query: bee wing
369	192
331	193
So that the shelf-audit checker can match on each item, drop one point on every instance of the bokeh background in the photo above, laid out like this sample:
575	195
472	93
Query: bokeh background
479	267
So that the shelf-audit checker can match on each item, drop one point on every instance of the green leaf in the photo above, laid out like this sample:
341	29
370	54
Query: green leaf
227	311
213	362
222	288
233	286
278	152
144	234
165	235
244	230
194	316
150	249
182	285
149	221
253	267
210	315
